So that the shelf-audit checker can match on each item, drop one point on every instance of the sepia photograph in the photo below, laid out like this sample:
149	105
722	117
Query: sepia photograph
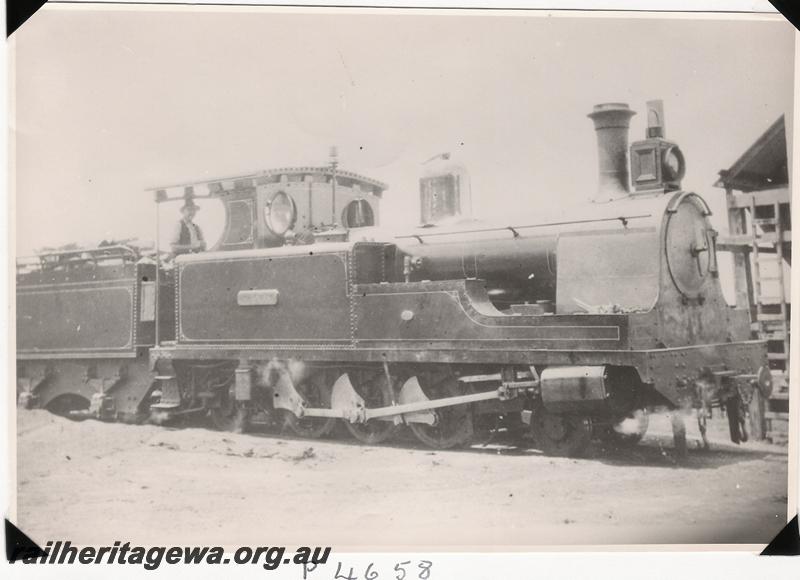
383	279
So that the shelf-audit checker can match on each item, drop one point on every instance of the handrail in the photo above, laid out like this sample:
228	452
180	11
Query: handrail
78	255
515	233
123	249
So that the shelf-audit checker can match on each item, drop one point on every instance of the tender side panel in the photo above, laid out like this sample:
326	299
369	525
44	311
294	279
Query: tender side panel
265	299
76	317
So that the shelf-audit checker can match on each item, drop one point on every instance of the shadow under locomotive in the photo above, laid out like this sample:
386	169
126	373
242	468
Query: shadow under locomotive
654	451
562	327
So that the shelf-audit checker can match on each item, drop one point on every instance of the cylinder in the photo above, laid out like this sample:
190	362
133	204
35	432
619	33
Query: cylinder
611	122
574	389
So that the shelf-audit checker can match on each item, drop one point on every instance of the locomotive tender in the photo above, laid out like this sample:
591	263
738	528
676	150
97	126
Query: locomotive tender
568	325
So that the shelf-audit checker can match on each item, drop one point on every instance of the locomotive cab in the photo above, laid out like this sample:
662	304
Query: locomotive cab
287	205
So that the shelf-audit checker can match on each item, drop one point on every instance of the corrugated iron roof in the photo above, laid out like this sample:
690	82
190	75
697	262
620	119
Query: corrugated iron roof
320	170
762	166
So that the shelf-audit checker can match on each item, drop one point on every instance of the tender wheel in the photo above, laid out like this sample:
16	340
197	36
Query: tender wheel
562	435
376	391
629	431
67	405
316	390
454	425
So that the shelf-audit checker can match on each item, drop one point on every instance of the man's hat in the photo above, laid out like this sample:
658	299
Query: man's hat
188	199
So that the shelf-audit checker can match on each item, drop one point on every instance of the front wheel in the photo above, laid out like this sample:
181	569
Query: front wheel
561	434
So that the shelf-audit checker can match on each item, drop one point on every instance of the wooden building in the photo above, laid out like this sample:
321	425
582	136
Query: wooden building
759	217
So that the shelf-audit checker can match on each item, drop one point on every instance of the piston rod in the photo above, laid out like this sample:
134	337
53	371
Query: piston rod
394	410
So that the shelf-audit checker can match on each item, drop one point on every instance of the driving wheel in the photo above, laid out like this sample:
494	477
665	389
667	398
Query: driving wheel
453	426
376	390
316	391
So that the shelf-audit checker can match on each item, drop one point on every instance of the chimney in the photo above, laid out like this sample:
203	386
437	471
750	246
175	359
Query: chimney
611	121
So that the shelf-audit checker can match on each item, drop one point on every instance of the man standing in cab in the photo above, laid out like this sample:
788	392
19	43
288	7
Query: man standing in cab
188	237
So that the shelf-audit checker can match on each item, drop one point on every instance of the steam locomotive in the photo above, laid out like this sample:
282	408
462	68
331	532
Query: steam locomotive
566	327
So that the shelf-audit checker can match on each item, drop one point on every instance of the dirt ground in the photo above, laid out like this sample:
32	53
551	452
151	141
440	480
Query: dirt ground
94	483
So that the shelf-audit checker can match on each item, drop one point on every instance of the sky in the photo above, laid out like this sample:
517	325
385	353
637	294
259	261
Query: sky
109	102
